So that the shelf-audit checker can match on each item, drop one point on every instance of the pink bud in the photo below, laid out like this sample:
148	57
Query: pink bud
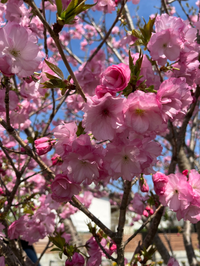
148	208
43	145
56	159
113	247
143	185
145	213
151	211
41	140
185	172
1	191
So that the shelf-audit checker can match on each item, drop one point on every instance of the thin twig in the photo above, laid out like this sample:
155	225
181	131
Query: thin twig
76	203
165	6
54	111
25	165
7	100
9	159
130	24
45	249
104	250
28	150
142	226
107	35
55	37
73	55
188	17
39	172
45	30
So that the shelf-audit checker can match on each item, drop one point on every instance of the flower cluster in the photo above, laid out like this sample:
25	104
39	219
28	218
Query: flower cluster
127	126
180	193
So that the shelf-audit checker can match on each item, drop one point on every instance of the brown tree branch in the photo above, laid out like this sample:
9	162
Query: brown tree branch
76	203
28	150
161	249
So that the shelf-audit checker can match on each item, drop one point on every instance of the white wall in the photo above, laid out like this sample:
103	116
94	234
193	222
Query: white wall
100	208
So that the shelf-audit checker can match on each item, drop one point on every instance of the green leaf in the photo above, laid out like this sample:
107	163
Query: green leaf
82	8
148	28
55	69
58	241
59	7
55	249
49	76
74	8
80	129
137	34
2	201
72	5
60	255
128	90
30	139
144	34
151	89
137	42
54	83
69	12
63	90
131	65
138	65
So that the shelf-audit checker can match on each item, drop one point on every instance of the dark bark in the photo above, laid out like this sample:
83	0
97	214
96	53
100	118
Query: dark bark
188	244
161	249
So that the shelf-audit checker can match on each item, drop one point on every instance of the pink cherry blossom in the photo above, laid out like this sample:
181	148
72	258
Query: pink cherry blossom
65	134
122	160
63	189
178	193
173	97
82	163
164	45
77	260
116	77
142	113
19	50
160	180
103	116
105	5
194	181
172	262
135	2
138	205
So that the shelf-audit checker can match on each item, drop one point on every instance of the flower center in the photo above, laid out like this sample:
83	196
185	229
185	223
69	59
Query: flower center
126	158
15	53
139	111
105	112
